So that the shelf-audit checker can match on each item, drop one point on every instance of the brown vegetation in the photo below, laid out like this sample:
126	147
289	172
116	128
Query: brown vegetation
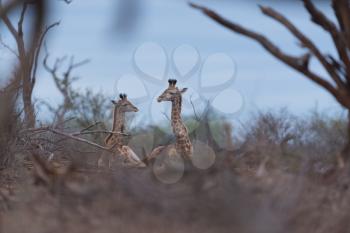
277	173
281	177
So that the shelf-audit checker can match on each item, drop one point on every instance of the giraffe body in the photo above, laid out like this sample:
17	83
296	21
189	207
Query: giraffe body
116	141
183	145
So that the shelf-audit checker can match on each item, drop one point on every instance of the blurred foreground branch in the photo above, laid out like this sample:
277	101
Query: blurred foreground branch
338	69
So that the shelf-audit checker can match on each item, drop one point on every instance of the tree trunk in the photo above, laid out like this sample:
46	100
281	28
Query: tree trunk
29	115
346	150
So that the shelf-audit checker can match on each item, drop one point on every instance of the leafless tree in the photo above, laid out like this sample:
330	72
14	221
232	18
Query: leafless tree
63	84
338	68
27	57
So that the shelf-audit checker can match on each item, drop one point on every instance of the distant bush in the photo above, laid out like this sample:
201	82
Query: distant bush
318	134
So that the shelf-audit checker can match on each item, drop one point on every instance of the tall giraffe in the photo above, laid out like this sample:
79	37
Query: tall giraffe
115	141
183	145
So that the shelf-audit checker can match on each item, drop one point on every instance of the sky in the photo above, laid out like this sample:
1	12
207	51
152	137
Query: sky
168	39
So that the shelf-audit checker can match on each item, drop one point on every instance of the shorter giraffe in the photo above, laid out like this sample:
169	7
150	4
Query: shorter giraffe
183	145
116	140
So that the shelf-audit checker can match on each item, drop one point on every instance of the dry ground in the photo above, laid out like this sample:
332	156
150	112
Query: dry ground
238	194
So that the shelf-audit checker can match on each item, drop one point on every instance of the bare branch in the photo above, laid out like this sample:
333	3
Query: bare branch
9	25
165	115
320	19
90	126
63	82
38	49
20	21
342	12
23	71
298	63
8	48
49	69
267	44
17	35
73	65
99	132
63	122
73	136
67	1
194	110
306	42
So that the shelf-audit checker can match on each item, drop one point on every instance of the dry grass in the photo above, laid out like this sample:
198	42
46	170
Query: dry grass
219	199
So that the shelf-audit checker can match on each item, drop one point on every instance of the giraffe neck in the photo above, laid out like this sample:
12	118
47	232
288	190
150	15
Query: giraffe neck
118	126
176	111
118	120
176	120
183	144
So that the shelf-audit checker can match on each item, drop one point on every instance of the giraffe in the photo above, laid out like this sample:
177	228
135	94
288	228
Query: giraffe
183	145
116	140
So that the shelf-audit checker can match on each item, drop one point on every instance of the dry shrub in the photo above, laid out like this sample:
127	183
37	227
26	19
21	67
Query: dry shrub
324	135
91	107
294	143
213	200
270	130
9	123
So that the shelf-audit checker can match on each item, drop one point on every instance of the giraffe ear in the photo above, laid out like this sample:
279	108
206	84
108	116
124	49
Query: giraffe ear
183	90
113	102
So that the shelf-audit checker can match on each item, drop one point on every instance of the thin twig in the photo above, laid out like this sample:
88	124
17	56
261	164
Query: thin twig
99	132
21	19
166	116
38	49
194	109
8	24
65	121
90	126
8	48
74	135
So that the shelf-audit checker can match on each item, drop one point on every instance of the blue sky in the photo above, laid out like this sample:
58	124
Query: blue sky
87	30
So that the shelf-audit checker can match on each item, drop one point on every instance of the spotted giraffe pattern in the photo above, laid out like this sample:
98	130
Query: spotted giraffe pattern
183	145
118	126
116	140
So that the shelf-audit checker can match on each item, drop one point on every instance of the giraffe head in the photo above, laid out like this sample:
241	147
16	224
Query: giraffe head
171	92
124	104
